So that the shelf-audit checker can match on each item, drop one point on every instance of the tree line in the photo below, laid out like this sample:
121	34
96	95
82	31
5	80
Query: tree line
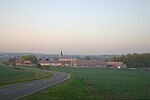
134	60
31	58
12	60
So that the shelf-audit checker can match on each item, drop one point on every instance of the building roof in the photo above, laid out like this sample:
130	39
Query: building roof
54	61
27	62
68	57
17	61
62	56
115	63
90	62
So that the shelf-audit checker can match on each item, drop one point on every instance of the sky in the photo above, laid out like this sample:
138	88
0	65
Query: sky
75	26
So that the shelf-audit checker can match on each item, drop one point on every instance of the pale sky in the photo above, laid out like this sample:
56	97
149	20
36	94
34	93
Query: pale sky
75	26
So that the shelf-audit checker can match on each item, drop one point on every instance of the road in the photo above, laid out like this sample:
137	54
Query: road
16	91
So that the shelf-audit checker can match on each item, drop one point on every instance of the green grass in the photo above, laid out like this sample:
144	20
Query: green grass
74	88
10	75
116	84
99	84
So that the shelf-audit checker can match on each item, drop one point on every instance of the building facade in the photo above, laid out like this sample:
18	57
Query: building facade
74	61
67	58
54	63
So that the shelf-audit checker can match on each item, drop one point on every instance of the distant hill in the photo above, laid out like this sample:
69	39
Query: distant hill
6	56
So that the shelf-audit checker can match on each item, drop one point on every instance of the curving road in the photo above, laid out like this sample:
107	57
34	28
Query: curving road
16	91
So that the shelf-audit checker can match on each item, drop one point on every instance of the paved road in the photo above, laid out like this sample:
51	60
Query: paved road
15	91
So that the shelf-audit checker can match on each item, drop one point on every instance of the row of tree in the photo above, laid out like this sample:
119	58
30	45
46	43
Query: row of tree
134	60
12	61
31	58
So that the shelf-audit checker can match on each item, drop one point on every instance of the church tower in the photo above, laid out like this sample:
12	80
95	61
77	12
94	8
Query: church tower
61	54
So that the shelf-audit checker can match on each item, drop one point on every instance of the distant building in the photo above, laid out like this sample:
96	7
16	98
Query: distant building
74	61
118	65
97	64
67	58
18	62
54	63
89	63
27	62
21	62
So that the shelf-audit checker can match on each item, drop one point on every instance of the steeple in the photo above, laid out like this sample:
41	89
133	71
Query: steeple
61	54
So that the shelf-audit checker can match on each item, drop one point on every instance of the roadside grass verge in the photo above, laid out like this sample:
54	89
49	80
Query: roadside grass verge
9	75
74	88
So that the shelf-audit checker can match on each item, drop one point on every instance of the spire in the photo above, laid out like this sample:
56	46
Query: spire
61	53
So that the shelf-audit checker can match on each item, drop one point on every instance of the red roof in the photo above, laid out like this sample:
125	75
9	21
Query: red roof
27	62
115	63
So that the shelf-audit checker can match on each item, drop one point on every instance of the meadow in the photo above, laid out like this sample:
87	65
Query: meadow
10	75
117	84
90	83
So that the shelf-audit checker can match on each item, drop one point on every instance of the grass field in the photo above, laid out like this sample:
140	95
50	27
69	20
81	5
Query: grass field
74	88
10	75
111	83
99	84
